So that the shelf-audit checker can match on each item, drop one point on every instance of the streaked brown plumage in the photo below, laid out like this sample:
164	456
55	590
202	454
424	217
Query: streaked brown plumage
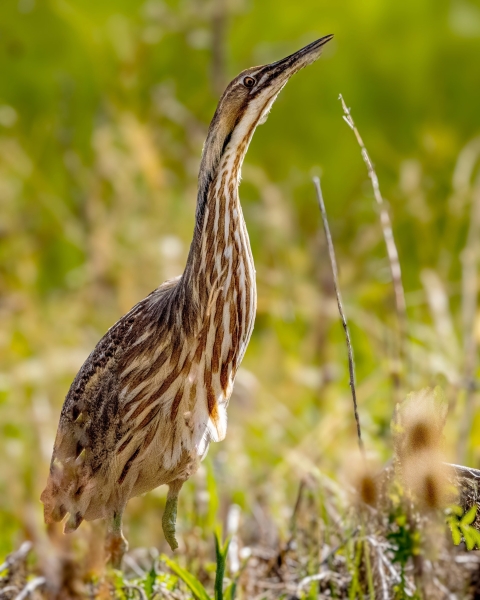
153	394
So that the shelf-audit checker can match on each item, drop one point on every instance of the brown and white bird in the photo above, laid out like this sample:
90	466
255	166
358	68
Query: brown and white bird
153	394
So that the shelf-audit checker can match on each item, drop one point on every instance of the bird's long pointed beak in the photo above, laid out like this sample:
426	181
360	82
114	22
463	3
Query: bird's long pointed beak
281	70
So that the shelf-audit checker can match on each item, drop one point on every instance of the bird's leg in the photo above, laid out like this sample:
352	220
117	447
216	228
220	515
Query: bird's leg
116	545
169	518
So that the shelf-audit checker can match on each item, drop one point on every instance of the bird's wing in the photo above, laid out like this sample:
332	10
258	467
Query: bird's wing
92	427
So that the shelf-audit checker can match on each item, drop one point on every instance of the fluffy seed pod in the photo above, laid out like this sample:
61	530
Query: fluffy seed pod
418	440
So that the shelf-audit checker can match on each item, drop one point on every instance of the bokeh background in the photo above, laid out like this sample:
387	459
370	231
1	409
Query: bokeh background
104	106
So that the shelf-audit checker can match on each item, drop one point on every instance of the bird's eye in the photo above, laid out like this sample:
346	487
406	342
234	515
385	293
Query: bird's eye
249	82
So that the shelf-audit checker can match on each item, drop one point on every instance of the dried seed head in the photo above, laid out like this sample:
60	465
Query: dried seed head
363	477
419	422
432	491
427	480
418	438
368	489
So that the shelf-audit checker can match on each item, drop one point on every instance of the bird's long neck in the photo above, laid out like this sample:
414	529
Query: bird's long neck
220	250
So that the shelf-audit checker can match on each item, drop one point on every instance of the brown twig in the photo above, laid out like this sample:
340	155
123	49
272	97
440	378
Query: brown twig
386	225
333	262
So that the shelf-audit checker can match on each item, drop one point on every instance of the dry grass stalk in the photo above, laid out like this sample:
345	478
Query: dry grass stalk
31	586
386	223
14	584
333	262
381	573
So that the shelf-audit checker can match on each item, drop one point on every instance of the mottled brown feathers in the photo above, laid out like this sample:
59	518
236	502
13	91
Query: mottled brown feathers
127	466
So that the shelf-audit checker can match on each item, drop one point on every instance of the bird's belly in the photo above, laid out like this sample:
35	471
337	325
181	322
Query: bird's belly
219	375
153	473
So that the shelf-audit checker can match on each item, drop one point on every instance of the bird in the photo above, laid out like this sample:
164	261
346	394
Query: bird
153	394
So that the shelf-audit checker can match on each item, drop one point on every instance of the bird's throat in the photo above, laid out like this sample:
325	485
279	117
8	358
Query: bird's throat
220	250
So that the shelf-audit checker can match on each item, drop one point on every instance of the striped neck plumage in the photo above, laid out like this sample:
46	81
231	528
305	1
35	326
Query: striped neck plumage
220	242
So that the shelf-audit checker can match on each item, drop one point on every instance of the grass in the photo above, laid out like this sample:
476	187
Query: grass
337	546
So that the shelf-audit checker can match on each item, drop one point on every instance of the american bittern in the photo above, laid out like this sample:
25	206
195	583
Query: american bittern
154	392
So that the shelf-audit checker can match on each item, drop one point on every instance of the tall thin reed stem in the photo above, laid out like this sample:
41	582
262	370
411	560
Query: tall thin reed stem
386	224
333	262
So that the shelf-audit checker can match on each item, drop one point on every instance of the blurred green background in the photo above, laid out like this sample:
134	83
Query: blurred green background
104	107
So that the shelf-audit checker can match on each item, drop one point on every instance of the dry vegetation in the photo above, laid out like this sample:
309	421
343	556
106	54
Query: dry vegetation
337	546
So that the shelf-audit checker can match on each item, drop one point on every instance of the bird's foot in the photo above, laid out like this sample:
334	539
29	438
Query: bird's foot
116	546
169	520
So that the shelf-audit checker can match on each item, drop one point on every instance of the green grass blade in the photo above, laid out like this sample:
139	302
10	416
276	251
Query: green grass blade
230	591
190	580
149	582
221	554
469	517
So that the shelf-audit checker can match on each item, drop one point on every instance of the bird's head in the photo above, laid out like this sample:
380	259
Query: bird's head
246	102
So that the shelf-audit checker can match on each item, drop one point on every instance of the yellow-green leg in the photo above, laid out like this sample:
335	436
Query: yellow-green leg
115	545
169	518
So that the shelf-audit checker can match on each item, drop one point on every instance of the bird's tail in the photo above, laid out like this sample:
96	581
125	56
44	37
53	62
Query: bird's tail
58	497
